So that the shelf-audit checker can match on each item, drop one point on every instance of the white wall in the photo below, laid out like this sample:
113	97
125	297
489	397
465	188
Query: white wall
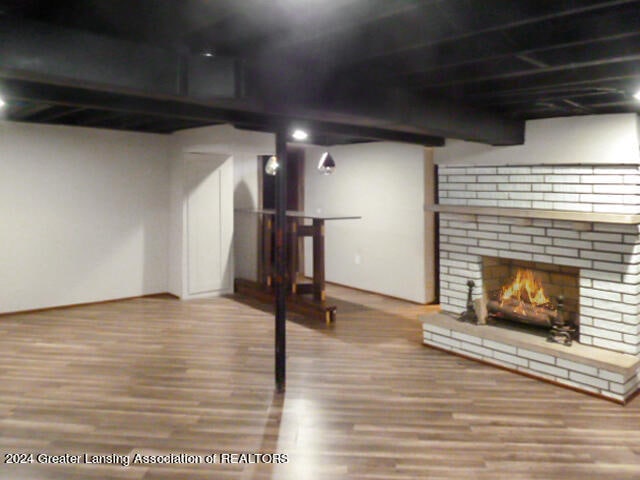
385	251
84	215
597	139
242	148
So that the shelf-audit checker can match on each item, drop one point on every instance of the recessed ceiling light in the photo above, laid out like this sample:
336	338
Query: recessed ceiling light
299	134
637	95
208	54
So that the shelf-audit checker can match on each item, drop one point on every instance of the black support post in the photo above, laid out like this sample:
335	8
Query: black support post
280	282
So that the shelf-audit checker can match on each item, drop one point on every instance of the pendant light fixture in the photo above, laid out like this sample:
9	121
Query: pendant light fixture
326	165
272	165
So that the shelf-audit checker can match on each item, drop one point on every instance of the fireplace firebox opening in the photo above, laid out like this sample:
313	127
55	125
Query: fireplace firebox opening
542	296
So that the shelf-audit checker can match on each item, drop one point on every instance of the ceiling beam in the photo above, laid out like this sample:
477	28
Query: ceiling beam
62	95
80	69
320	129
290	92
100	117
54	113
35	50
19	112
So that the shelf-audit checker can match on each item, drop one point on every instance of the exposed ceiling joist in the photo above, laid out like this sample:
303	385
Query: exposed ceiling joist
467	69
592	76
58	57
497	47
499	19
461	79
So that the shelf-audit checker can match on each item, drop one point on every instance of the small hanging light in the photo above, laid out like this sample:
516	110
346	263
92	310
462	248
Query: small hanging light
271	168
326	165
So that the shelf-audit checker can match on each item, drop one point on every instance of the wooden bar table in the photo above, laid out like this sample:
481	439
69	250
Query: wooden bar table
298	301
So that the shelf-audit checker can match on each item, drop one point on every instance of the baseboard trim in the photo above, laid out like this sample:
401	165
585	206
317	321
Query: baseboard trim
372	292
86	304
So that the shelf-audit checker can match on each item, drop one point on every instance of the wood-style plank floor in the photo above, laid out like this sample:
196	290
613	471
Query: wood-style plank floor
365	399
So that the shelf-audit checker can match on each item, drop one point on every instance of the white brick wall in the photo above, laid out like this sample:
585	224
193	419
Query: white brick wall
601	189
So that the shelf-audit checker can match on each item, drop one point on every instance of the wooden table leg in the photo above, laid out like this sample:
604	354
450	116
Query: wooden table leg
319	292
267	241
293	254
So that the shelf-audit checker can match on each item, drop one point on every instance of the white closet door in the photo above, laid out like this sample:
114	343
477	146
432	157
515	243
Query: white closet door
209	204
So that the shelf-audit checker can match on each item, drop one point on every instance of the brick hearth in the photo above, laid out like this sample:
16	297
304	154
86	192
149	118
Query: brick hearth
589	369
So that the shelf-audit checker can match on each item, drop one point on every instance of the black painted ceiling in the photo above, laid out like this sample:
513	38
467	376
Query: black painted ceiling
407	70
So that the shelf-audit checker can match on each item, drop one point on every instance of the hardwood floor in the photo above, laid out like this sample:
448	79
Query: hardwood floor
365	399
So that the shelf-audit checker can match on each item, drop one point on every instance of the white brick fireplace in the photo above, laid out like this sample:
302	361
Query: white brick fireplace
583	214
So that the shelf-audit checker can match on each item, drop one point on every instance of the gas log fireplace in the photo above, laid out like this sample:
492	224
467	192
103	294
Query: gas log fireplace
538	243
536	294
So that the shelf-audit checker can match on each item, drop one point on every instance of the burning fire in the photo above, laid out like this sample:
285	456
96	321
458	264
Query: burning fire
525	288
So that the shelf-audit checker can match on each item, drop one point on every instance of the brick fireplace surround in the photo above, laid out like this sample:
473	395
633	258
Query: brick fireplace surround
583	216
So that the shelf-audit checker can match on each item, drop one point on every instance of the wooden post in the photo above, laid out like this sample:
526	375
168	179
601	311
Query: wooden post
318	260
293	254
267	261
280	282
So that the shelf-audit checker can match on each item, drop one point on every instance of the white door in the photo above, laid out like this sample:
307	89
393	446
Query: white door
209	222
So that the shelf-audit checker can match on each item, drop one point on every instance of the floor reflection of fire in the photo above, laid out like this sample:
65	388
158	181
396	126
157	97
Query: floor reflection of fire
523	300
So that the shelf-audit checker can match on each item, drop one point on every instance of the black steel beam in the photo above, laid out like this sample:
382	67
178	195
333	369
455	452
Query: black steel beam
354	102
112	102
54	113
101	72
57	94
318	129
37	51
24	112
280	283
100	117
